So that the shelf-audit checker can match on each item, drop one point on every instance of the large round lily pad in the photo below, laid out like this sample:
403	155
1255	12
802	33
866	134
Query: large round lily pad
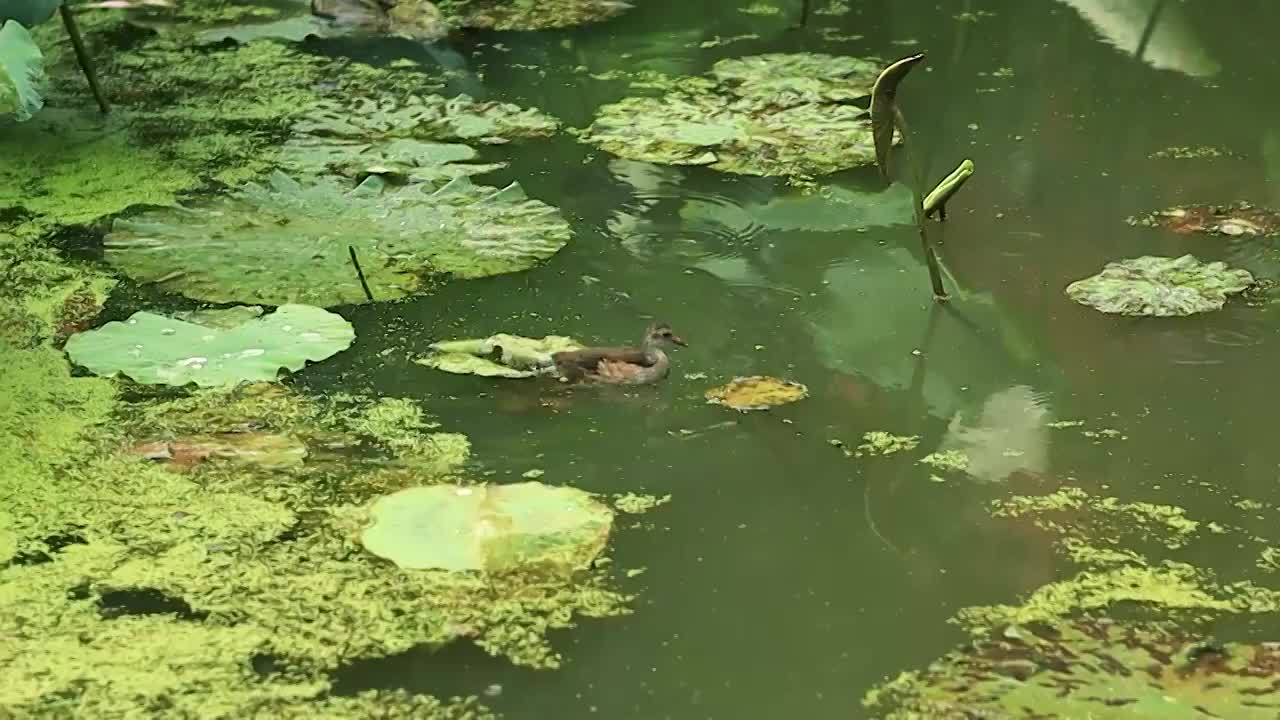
762	115
491	528
1160	286
156	350
501	355
287	241
758	392
21	72
1094	669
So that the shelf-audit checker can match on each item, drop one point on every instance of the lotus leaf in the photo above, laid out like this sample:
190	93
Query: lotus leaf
490	528
1238	220
28	12
787	79
531	14
760	115
22	76
414	160
427	117
1160	286
500	355
287	241
294	20
156	350
758	392
413	19
828	209
1097	669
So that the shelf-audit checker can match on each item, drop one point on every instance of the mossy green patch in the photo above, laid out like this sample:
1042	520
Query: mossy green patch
1107	519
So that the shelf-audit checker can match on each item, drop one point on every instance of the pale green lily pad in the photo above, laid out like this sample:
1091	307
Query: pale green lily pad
501	355
1097	669
155	350
748	123
490	528
530	14
287	241
1160	286
22	77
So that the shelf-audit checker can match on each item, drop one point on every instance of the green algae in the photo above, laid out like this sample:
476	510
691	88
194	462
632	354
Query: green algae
45	297
949	460
1108	519
637	503
878	442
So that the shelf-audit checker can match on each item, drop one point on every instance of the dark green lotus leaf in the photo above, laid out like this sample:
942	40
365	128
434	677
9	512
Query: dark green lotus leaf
416	138
286	241
490	528
28	12
530	14
156	350
1160	286
761	116
22	76
1096	669
787	79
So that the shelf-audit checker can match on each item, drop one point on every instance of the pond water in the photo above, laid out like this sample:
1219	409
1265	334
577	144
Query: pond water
786	578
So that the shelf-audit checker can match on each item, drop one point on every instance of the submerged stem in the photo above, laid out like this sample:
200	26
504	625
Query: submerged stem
82	57
359	273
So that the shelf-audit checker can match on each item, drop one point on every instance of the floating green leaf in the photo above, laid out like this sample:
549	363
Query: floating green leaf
1160	286
827	209
491	528
22	76
500	355
156	350
287	241
761	117
530	14
28	12
758	392
1097	669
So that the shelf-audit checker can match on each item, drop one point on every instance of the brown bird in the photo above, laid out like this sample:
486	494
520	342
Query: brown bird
623	365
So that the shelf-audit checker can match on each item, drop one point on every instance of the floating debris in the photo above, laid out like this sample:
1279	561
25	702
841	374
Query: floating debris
637	504
1239	220
949	460
501	355
881	443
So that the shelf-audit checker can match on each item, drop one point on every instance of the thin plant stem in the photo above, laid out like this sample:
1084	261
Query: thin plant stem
82	57
359	273
917	195
804	13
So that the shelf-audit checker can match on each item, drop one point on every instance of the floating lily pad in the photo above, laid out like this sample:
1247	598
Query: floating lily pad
793	78
1095	669
500	355
22	76
758	392
490	528
1160	286
261	449
1237	220
294	20
530	14
826	209
286	241
747	122
155	350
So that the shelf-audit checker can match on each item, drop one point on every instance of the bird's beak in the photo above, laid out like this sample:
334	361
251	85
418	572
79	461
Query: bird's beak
679	341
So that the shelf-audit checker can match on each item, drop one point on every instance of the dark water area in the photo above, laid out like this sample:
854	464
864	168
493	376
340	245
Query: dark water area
785	579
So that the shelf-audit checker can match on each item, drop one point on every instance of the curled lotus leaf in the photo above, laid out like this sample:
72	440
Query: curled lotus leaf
530	14
1160	286
758	392
501	355
787	79
22	77
155	350
1240	220
1097	669
735	135
490	528
287	241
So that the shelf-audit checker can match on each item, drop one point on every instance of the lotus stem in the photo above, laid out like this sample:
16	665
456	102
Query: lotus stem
82	57
804	13
359	273
936	200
